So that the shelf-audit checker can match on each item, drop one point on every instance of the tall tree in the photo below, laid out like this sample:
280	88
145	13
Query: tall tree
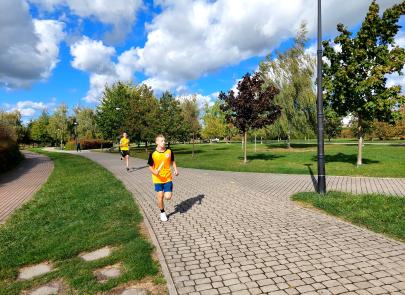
354	76
333	124
170	119
86	123
13	121
143	115
215	125
252	107
190	113
58	127
112	112
40	130
292	72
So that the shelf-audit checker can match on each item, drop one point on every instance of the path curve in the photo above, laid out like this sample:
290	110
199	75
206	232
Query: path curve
20	184
238	233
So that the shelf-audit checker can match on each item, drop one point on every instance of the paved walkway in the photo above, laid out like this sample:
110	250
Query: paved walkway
20	184
239	233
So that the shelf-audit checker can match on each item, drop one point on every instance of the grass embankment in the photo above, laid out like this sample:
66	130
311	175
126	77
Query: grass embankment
82	207
382	214
378	160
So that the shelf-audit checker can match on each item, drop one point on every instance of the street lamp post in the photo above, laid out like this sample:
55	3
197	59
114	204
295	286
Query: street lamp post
75	123
320	116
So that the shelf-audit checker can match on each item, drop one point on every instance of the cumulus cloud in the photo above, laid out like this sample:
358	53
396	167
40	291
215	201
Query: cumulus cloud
120	14
29	108
95	58
192	38
29	48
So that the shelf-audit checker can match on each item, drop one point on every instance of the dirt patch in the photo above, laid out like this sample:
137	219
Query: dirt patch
146	284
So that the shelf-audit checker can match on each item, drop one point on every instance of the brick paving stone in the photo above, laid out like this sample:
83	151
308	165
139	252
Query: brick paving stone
20	184
269	234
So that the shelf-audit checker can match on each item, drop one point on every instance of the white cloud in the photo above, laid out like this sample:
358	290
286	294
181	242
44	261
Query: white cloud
29	108
121	14
92	56
28	48
97	59
202	100
192	38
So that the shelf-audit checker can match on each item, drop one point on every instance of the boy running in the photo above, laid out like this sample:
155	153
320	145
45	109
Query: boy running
124	147
159	164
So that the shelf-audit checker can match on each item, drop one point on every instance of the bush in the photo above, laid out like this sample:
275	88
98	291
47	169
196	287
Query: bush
87	144
10	154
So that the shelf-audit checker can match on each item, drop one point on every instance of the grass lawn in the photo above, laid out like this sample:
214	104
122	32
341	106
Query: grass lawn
82	207
382	214
378	160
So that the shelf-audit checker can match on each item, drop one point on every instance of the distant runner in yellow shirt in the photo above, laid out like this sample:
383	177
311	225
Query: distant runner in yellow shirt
124	146
159	165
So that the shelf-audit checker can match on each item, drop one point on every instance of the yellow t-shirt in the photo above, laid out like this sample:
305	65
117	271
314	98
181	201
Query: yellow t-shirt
156	158
124	144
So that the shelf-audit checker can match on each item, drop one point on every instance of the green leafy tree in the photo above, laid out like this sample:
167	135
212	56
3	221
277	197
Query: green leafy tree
191	113
143	114
252	107
215	125
170	118
58	127
112	112
86	123
292	72
40	129
13	121
333	124
354	76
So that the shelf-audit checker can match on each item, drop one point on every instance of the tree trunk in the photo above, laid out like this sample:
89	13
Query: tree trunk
192	153
244	156
360	143
261	140
255	143
288	141
146	146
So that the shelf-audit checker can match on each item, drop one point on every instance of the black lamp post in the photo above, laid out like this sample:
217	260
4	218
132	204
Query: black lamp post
75	123
321	156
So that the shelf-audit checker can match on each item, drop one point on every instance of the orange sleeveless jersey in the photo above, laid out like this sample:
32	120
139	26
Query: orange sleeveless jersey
155	160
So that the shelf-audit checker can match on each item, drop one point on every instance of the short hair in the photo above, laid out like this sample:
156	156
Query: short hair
159	136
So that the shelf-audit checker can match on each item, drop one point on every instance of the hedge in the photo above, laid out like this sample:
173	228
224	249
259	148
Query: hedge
86	144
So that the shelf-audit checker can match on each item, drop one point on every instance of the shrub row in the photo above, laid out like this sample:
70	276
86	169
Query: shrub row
86	144
10	154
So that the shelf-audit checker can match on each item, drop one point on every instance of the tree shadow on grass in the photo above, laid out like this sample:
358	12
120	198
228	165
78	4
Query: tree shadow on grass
262	156
187	151
186	205
344	158
293	145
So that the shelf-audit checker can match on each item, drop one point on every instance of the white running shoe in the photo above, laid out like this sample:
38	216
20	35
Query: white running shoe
163	216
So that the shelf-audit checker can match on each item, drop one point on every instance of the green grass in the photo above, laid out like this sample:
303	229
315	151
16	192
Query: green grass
82	207
381	214
378	160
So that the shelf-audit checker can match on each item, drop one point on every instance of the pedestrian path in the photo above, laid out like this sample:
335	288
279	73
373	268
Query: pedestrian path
20	184
239	233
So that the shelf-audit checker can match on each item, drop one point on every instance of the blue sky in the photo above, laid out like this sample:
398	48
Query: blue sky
65	51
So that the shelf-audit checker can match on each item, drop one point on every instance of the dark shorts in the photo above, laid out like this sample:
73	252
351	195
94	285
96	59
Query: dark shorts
124	153
164	187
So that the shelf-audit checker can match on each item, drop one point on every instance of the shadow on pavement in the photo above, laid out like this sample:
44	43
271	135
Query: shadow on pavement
186	205
133	169
314	180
